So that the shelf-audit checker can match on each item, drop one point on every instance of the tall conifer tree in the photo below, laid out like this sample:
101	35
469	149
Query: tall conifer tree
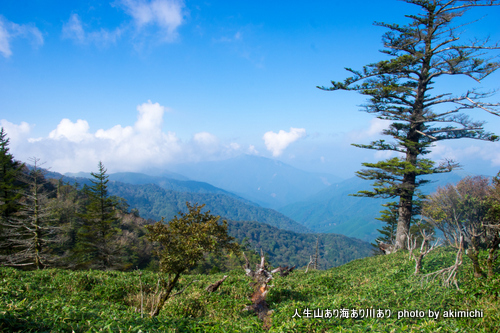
97	247
400	90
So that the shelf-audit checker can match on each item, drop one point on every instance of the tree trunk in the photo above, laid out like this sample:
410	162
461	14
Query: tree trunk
492	257
474	257
404	219
164	295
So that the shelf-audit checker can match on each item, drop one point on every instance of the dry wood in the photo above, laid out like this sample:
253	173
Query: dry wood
214	286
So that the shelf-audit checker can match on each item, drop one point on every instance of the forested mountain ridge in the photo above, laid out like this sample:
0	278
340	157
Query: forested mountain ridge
154	202
289	248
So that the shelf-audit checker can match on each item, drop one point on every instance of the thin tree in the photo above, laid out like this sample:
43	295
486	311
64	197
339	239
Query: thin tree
400	90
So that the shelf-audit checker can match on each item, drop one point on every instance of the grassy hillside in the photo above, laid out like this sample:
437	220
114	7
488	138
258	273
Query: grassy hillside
89	301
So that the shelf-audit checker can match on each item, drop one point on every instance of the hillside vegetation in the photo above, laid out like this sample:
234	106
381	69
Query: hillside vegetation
91	301
294	249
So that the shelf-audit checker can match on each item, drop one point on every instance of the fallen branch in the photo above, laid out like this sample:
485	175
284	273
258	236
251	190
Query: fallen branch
284	271
214	286
386	248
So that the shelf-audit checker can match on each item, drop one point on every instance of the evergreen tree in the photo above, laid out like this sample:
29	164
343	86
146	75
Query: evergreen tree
10	187
96	239
421	52
30	232
67	205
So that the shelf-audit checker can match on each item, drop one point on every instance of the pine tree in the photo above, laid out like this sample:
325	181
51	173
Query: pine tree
96	239
400	90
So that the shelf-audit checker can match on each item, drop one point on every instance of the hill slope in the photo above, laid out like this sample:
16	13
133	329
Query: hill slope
81	301
294	249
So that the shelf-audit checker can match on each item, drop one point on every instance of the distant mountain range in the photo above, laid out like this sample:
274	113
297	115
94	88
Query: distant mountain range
235	188
268	182
332	210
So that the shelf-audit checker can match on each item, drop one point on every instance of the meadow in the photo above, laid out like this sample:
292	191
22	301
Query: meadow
56	300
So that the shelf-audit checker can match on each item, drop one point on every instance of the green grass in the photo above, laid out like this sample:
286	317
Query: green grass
93	301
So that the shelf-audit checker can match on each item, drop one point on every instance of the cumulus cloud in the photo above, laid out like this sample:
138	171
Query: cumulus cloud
72	147
205	139
73	29
277	142
167	15
73	132
15	133
10	30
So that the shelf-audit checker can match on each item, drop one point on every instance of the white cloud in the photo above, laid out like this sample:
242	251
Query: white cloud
72	147
251	150
73	132
234	146
168	15
205	139
10	30
15	133
487	151
277	142
73	29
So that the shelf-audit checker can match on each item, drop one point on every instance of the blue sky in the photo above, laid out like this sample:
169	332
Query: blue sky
139	83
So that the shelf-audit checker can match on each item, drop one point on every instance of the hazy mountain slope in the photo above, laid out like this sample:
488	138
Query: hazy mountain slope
265	181
191	186
133	176
289	248
155	202
334	211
